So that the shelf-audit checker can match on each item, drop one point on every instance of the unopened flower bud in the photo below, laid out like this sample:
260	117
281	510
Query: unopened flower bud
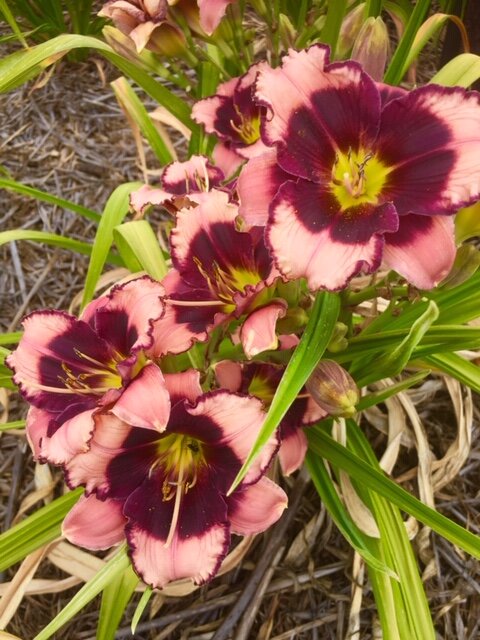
333	389
350	29
338	342
288	33
371	47
293	320
169	41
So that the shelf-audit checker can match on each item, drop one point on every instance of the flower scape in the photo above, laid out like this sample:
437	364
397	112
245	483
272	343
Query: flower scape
178	402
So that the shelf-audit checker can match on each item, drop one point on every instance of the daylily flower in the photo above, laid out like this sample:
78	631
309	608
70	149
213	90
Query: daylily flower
354	175
261	380
166	492
146	23
219	274
182	184
232	115
69	368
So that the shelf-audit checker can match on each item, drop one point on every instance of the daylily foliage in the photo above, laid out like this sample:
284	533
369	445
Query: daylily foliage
303	173
340	173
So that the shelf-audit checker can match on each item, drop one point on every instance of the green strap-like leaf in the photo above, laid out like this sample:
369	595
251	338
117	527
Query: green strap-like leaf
16	424
38	529
395	70
115	597
142	242
9	17
330	32
411	606
132	105
26	190
144	600
463	370
23	65
394	361
115	210
110	572
10	338
433	25
323	445
52	239
306	356
462	71
362	543
377	397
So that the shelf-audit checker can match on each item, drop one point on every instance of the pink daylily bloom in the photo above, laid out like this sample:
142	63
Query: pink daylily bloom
232	115
182	184
261	380
358	172
170	488
69	368
219	273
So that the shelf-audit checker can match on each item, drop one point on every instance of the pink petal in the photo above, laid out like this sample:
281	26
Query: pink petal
36	429
70	439
292	450
196	174
423	250
328	248
257	507
141	34
51	341
184	385
198	226
180	326
239	419
313	413
431	138
227	159
257	185
126	320
198	557
95	524
317	111
147	196
145	402
258	331
288	341
211	12
119	460
286	88
229	375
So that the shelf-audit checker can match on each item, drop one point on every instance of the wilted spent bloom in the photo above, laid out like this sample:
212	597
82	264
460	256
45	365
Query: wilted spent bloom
333	389
146	23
